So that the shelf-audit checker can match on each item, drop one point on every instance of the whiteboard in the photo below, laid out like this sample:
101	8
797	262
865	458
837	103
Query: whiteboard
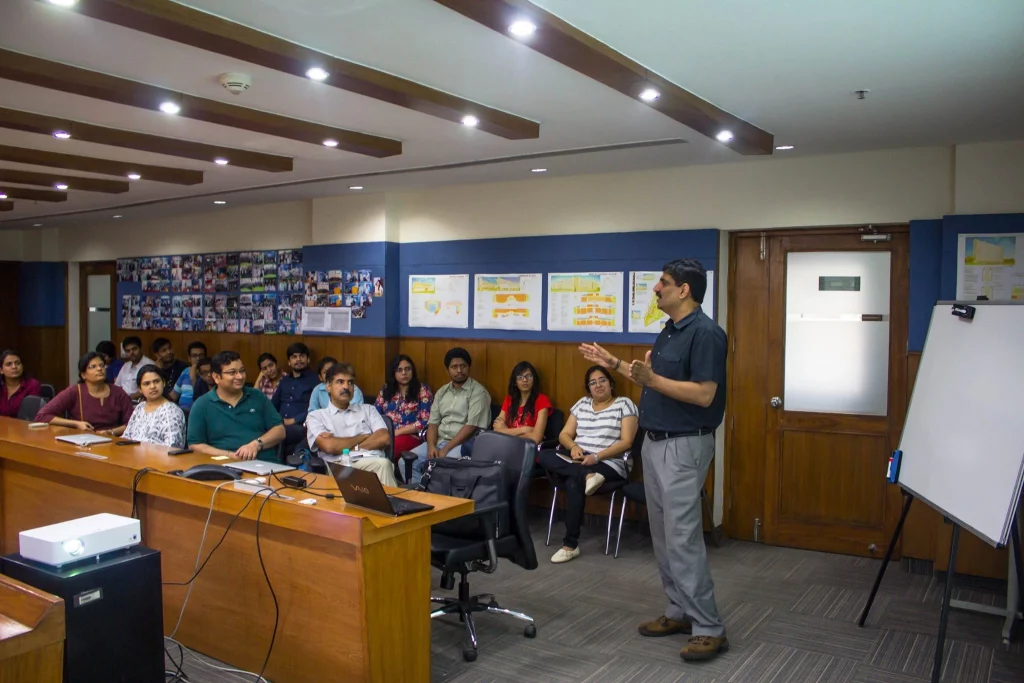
963	441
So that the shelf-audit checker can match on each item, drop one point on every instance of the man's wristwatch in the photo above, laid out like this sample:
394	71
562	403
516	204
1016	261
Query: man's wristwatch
259	442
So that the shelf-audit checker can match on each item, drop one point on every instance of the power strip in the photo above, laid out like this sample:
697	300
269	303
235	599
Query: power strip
257	486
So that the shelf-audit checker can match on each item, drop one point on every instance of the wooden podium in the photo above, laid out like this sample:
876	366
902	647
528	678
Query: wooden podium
31	634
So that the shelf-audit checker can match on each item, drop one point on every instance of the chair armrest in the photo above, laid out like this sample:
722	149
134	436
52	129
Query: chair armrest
489	520
548	445
407	455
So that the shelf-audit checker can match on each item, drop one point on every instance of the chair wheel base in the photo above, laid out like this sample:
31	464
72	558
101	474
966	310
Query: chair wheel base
469	654
530	631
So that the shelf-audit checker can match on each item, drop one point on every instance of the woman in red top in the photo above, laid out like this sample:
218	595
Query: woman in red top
525	410
16	385
92	405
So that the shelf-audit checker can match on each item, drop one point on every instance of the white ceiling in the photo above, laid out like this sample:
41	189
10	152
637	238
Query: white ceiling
940	72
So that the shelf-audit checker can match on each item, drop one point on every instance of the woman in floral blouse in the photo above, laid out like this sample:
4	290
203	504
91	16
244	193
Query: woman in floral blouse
406	401
155	420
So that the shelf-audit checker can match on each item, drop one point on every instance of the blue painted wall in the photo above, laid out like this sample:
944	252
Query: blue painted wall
42	299
559	254
925	278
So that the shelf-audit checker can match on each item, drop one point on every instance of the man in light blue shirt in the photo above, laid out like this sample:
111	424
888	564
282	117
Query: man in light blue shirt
321	398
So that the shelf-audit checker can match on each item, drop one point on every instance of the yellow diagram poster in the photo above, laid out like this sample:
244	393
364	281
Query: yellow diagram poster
508	302
439	301
644	314
987	265
585	302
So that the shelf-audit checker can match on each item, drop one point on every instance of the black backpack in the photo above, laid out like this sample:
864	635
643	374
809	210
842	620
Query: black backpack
480	481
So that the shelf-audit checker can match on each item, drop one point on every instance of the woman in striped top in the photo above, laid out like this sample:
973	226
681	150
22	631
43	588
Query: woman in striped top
598	432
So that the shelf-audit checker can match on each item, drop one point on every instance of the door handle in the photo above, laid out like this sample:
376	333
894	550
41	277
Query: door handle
775	402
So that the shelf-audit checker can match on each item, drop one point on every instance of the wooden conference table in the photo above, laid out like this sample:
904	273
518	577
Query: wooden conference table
353	587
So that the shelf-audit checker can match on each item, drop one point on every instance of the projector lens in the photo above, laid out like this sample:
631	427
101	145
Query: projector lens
74	547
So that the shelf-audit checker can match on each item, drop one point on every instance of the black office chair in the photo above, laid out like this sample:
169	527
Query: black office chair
503	533
389	450
30	407
556	421
47	391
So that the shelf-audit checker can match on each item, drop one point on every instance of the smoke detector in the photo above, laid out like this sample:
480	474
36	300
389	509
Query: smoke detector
236	83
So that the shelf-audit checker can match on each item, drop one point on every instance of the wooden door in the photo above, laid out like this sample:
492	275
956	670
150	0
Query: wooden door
828	399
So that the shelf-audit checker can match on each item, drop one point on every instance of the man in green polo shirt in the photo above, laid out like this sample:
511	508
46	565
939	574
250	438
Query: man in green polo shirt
234	420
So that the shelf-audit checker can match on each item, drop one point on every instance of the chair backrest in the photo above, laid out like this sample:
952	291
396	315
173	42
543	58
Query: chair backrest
389	450
30	407
47	391
556	421
495	411
517	454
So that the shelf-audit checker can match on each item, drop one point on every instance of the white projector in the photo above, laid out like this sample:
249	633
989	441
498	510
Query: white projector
78	539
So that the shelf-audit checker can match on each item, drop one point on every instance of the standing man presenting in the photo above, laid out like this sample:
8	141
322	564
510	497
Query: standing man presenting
682	403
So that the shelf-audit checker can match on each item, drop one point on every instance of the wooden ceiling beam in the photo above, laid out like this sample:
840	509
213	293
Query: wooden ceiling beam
588	56
33	195
10	175
160	174
6	206
143	142
188	26
17	66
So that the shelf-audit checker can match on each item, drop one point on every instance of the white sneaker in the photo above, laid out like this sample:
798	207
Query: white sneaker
564	555
594	483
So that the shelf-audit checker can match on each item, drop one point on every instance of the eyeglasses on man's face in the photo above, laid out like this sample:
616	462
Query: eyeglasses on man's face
233	373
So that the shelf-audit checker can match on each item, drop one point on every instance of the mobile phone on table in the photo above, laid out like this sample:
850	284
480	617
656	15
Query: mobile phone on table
127	442
179	451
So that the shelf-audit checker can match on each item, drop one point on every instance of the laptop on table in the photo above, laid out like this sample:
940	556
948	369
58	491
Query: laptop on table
259	467
363	489
83	440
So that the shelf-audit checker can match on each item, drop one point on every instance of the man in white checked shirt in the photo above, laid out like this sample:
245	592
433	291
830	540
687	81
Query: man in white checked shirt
358	428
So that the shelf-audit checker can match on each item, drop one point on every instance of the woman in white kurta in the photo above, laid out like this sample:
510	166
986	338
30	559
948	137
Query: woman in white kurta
156	420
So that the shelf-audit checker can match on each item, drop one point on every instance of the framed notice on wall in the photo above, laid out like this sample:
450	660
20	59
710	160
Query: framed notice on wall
988	266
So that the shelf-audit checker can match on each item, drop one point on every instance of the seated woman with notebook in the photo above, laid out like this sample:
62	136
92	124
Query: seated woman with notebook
92	404
598	432
156	420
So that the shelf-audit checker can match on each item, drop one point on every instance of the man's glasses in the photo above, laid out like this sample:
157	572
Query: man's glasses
233	373
595	382
458	368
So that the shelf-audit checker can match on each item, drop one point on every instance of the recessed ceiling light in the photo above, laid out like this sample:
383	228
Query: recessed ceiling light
61	134
538	170
522	28
470	120
317	74
219	201
117	215
220	161
134	176
61	186
783	148
355	187
37	225
169	107
3	196
64	3
330	142
649	95
724	136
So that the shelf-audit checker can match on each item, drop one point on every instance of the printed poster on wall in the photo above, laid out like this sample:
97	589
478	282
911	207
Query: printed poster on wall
987	266
439	301
508	302
644	314
585	302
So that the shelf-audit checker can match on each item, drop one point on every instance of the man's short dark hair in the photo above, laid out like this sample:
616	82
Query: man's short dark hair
107	348
128	341
197	345
457	352
339	369
265	356
221	359
297	347
159	343
688	271
204	361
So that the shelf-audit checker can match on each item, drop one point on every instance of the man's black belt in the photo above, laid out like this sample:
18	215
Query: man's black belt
661	436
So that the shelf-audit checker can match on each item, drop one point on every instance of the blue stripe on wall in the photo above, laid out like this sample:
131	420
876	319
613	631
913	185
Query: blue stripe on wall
925	277
954	226
563	253
356	256
42	300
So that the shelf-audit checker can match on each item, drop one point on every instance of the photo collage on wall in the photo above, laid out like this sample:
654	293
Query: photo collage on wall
251	292
355	289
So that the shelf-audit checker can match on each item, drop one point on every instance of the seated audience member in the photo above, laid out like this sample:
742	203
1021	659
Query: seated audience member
112	357
204	381
525	410
407	402
599	430
126	376
92	404
321	398
183	392
461	408
16	385
293	393
169	367
270	374
234	420
156	420
346	425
